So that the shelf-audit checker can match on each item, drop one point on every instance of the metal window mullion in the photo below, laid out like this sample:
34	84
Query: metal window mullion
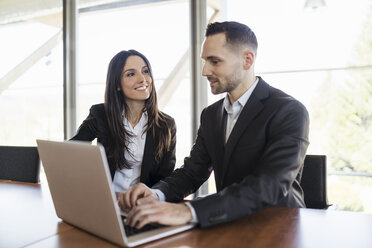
70	19
199	93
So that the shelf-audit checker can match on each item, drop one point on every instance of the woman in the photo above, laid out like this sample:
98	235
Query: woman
139	140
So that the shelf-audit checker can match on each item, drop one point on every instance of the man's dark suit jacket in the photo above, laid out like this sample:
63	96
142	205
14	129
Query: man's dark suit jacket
152	171
259	166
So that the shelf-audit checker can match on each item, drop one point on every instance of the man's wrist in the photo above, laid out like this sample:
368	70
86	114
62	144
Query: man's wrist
194	219
160	195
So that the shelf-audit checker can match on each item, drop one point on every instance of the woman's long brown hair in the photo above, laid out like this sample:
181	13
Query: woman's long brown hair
115	106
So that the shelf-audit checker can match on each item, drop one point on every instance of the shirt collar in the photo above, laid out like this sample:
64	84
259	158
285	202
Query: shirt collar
242	100
140	125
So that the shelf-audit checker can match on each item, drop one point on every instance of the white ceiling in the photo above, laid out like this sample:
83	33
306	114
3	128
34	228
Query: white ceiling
20	10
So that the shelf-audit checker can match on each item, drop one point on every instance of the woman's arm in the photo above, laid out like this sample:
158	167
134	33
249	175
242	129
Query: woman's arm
88	129
168	160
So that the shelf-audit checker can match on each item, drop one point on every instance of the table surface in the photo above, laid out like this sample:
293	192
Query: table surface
28	219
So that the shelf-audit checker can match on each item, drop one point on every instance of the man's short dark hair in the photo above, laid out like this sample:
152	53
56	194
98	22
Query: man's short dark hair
236	33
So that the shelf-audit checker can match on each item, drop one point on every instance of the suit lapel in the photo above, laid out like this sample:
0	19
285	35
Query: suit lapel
220	126
147	156
251	109
219	140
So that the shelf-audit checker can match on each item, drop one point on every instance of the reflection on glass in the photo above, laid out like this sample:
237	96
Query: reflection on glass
30	83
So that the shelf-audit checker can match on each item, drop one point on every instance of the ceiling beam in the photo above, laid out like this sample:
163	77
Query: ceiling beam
28	62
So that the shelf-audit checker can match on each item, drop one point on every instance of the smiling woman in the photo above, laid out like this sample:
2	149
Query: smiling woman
165	41
139	140
32	103
136	83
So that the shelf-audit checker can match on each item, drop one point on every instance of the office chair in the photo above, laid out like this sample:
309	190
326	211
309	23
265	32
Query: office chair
314	181
19	163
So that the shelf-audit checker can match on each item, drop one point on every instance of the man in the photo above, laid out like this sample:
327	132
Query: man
255	140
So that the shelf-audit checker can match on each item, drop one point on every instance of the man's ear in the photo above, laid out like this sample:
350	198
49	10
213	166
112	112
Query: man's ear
248	59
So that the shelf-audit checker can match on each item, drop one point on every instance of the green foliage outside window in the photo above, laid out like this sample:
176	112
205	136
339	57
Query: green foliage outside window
344	115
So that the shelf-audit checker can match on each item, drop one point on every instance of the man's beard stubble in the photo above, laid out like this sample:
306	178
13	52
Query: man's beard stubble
230	83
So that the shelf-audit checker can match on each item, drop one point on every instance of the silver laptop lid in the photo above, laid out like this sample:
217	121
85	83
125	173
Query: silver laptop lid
81	187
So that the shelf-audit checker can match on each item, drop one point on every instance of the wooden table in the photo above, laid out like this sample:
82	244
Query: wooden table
28	219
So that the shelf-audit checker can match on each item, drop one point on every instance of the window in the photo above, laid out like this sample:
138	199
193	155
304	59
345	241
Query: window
164	39
31	104
324	60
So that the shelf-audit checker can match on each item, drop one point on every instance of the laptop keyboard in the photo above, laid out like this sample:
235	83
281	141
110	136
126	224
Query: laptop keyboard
129	231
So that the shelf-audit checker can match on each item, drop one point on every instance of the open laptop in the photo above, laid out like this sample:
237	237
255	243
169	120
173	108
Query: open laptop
81	187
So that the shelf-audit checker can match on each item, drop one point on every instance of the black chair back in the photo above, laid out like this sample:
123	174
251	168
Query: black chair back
19	163
314	181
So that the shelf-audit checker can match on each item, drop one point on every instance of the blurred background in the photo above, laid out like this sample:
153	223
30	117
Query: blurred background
319	51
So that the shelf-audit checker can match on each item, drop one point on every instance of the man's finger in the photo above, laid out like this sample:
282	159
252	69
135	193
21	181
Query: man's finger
138	213
145	200
136	193
121	201
126	199
147	219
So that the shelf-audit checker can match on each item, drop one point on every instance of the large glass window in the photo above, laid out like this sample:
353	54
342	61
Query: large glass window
323	57
161	32
31	104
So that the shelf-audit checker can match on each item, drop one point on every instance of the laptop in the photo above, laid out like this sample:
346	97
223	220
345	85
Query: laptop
81	187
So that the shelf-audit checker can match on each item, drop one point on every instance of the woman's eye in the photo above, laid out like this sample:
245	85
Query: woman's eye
147	71
130	74
215	62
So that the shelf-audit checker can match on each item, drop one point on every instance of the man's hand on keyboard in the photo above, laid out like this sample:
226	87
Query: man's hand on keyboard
150	210
128	199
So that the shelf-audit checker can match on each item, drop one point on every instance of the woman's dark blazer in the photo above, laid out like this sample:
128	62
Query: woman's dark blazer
152	171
